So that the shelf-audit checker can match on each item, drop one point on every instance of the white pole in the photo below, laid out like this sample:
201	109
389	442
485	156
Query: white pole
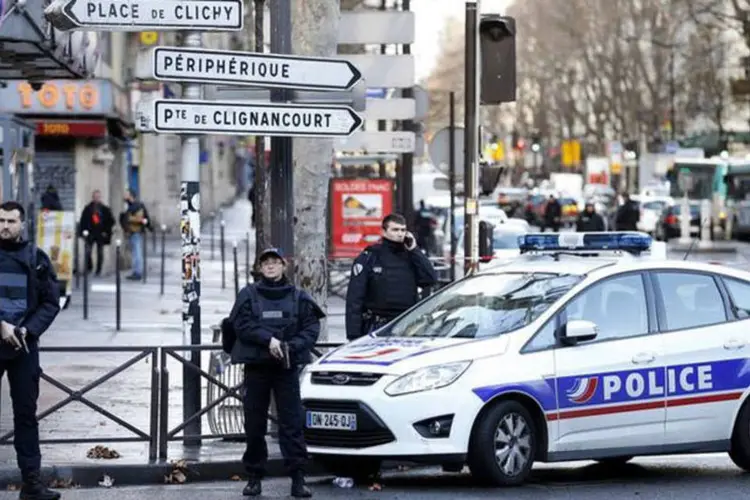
191	233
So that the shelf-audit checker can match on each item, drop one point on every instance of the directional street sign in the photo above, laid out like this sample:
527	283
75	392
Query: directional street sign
142	15
253	69
176	116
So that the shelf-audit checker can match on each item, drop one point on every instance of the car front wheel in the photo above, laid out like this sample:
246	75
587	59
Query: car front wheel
503	445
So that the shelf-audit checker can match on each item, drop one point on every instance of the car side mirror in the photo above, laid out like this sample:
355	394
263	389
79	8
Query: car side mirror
578	330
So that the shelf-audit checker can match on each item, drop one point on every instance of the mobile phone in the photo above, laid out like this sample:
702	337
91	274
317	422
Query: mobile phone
408	241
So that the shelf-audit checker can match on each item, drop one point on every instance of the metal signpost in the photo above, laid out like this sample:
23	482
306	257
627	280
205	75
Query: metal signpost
168	15
290	114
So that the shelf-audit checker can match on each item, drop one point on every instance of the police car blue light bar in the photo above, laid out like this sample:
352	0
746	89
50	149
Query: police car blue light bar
625	241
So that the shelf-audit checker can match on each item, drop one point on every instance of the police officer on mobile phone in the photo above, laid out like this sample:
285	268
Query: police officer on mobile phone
272	329
385	279
29	303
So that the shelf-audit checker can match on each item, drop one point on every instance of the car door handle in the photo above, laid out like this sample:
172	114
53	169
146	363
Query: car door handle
643	358
734	344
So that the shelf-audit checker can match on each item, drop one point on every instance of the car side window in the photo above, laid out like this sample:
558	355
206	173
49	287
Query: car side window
691	300
617	306
544	339
739	291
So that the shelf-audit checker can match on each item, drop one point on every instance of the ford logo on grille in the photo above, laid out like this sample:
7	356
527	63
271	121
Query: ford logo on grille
340	379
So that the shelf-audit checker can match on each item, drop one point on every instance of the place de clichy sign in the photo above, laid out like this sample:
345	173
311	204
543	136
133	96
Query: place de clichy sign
132	15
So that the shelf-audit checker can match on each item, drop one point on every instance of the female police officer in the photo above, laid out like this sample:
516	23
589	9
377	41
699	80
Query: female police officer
275	325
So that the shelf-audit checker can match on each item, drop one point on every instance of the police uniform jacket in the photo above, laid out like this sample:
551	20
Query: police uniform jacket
29	292
588	222
384	281
266	310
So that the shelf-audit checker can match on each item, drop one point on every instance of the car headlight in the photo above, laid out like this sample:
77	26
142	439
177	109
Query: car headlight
428	378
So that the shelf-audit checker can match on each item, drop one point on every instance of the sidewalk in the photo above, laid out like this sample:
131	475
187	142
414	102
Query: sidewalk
148	319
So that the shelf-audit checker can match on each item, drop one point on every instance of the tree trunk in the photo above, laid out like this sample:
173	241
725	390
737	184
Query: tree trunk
262	185
315	25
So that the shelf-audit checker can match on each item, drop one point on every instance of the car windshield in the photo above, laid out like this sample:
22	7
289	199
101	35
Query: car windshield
504	240
483	306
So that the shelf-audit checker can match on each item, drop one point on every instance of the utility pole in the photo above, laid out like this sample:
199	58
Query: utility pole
262	198
407	162
382	124
190	189
471	145
281	168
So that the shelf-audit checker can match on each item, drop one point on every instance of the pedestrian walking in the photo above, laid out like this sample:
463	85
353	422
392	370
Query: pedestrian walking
96	225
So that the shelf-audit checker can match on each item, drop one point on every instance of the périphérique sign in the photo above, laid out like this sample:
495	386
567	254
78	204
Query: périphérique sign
176	116
254	69
163	15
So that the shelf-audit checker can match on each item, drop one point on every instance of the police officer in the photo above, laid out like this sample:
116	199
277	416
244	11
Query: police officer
384	279
275	326
628	214
29	302
589	220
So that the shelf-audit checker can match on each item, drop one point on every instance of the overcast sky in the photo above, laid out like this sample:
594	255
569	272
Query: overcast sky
431	16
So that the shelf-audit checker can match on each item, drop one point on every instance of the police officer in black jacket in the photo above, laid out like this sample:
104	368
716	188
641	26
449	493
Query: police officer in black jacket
589	220
384	279
628	215
276	325
29	302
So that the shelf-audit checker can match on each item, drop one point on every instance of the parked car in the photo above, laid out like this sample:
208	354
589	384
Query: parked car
668	225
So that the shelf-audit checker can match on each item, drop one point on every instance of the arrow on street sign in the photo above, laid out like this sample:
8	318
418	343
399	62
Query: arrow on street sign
176	116
137	15
253	69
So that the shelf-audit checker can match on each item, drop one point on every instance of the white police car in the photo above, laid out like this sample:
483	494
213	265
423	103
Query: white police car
582	348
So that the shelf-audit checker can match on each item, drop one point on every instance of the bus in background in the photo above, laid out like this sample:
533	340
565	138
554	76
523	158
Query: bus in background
700	179
738	197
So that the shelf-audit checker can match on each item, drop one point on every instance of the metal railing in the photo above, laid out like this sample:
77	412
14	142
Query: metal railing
224	384
78	395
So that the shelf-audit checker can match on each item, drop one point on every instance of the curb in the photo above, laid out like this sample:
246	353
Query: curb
89	475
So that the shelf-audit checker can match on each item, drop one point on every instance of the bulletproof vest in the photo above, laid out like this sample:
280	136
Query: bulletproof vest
281	313
14	285
392	283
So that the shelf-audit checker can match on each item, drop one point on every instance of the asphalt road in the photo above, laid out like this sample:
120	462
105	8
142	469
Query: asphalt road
657	478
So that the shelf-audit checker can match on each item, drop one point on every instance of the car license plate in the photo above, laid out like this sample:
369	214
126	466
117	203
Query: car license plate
333	421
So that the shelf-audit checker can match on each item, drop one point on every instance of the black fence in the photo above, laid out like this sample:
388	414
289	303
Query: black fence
158	435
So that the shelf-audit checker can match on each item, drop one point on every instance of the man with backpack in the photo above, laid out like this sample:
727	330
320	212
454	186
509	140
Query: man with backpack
272	329
29	303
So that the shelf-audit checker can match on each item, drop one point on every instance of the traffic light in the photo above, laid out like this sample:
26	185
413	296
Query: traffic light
497	48
536	142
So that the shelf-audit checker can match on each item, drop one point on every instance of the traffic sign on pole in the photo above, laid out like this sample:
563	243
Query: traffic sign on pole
176	116
144	15
253	69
